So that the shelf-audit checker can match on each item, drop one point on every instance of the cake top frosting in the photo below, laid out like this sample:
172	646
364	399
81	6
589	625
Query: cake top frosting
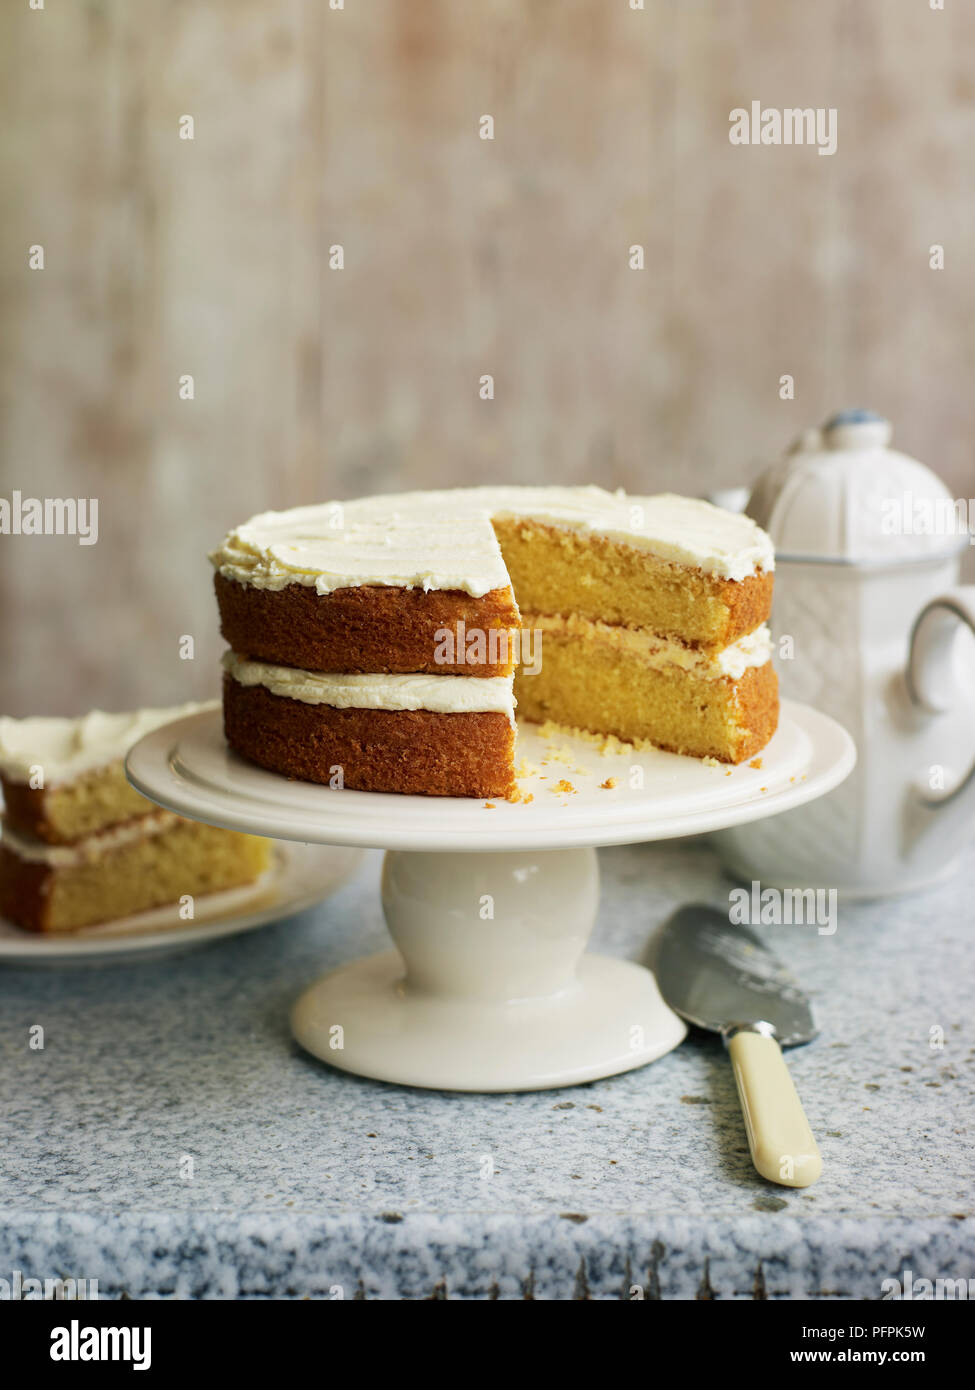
66	748
445	540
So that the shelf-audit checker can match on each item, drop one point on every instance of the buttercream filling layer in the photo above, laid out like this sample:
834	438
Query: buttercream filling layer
436	694
91	847
445	540
754	649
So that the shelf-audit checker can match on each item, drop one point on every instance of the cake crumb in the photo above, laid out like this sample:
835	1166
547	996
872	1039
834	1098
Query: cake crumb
490	806
608	744
763	789
727	772
516	794
526	769
710	762
563	755
562	786
608	785
755	763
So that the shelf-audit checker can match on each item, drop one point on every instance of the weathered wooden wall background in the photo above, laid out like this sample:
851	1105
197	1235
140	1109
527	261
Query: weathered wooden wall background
359	126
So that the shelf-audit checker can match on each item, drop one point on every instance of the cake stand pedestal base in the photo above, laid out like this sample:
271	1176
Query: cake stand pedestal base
489	989
490	908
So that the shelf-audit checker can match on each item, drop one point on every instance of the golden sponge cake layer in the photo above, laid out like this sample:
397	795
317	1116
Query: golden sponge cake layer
70	810
555	570
405	750
370	629
606	686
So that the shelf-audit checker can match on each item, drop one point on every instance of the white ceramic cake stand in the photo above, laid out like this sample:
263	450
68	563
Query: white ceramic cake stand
490	905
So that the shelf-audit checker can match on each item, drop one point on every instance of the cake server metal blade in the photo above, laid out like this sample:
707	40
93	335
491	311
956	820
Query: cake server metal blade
722	977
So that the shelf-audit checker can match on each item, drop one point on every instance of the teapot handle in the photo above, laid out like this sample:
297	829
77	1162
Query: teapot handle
930	681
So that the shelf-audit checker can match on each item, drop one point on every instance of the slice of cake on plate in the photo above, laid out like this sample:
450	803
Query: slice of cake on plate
373	643
80	846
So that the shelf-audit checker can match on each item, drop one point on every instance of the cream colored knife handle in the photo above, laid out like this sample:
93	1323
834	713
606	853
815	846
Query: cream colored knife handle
782	1145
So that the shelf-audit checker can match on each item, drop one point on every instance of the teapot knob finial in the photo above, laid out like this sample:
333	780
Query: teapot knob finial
857	429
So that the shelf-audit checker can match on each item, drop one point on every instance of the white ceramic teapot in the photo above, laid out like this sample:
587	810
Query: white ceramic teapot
869	622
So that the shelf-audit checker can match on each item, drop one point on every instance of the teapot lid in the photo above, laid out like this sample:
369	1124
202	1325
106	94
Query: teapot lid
843	494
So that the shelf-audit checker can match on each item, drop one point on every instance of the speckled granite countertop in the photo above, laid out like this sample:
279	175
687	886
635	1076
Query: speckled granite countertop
304	1179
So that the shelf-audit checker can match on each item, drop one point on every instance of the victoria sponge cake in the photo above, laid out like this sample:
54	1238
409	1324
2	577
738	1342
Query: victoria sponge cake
384	643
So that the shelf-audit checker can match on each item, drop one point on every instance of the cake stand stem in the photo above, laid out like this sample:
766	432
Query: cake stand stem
489	988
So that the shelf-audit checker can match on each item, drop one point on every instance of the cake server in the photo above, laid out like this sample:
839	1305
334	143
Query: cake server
723	978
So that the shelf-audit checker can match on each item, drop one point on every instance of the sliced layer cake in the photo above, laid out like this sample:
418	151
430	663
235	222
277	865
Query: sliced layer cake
374	643
80	846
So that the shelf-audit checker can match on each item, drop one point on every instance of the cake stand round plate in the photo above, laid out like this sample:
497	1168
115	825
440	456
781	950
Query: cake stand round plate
490	904
188	768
